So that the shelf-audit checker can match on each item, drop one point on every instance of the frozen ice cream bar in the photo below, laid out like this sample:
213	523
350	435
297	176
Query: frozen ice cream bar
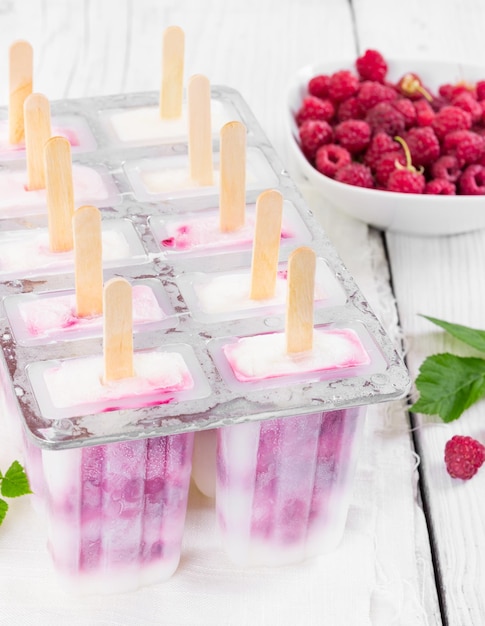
116	512
144	126
91	186
73	127
199	233
51	316
161	377
26	252
225	295
284	485
168	177
265	356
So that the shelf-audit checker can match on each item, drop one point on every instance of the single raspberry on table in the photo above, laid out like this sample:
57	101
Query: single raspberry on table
386	165
379	145
350	109
383	117
469	103
371	66
353	134
467	146
355	174
440	187
372	93
463	456
313	134
450	118
406	181
423	145
424	112
318	86
446	167
472	181
343	85
313	108
330	158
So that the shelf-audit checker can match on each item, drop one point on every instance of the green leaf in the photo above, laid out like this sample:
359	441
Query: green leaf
3	510
449	384
471	336
15	482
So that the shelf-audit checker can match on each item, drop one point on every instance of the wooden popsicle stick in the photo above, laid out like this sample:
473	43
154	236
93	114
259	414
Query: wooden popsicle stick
171	91
60	193
117	330
232	202
37	122
200	130
20	86
266	244
299	306
88	269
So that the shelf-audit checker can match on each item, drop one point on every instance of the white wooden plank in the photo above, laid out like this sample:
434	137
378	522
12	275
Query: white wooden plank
441	277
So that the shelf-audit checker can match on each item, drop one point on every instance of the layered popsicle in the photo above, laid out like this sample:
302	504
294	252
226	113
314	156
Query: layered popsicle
115	512
284	485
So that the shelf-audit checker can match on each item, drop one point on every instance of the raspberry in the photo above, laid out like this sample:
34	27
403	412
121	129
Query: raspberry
411	86
371	66
472	181
447	168
383	117
353	135
318	86
463	456
450	118
355	174
379	145
448	92
313	134
424	112
467	102
330	158
480	89
315	109
372	93
440	187
343	84
407	110
406	181
467	146
350	109
423	145
386	165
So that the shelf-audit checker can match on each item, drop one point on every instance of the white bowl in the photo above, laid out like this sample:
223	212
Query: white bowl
399	212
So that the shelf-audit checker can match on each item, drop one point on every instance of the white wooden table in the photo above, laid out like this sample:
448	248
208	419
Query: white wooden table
405	508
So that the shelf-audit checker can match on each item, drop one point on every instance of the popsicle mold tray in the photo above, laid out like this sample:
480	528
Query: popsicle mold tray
161	233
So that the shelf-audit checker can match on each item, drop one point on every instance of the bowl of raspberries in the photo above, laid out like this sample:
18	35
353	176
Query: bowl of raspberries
397	144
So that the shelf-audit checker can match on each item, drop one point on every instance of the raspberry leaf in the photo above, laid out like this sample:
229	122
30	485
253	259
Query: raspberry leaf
3	510
471	336
15	482
449	384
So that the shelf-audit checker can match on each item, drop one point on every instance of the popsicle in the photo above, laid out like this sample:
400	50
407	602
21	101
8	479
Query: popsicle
116	511
283	485
12	135
169	121
222	295
38	250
